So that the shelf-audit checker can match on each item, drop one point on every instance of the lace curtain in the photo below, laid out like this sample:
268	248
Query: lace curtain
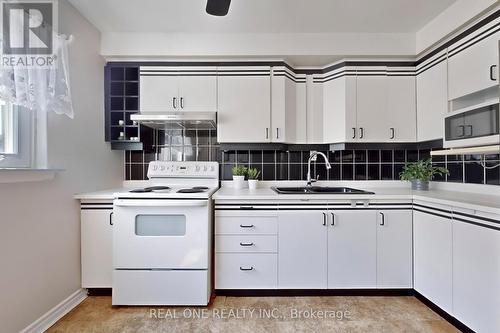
40	89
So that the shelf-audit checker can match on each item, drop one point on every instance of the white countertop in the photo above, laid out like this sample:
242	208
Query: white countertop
99	195
445	194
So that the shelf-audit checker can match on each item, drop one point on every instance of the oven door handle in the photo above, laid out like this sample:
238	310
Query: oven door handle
159	203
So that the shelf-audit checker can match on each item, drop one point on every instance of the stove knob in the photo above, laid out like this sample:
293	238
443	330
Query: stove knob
212	168
162	168
197	168
205	168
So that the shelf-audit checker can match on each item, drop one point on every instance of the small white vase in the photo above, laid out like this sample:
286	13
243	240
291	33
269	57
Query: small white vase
238	182
252	184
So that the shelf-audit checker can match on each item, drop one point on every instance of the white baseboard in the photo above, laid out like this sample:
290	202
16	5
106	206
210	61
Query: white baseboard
57	312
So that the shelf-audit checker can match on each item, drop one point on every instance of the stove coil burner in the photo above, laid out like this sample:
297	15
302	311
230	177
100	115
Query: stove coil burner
150	189
196	189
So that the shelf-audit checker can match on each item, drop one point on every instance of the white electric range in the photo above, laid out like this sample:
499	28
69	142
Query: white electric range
162	236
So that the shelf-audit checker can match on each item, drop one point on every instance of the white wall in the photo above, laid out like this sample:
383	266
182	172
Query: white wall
271	45
449	20
39	222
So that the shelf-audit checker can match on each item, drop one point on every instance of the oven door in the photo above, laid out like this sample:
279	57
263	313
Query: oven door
160	234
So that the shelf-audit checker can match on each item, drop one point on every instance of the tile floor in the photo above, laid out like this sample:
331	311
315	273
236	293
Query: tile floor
270	314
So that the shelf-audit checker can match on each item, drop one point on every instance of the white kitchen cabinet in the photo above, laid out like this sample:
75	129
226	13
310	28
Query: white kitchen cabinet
339	103
244	105
246	244
352	243
288	106
301	113
159	91
246	271
476	275
315	107
432	97
178	89
401	121
473	64
432	239
96	247
302	249
394	249
372	108
198	90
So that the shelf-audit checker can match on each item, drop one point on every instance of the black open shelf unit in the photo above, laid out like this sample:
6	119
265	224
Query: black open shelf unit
122	101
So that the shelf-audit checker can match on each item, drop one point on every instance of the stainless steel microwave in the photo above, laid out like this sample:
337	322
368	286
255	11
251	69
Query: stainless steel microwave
477	125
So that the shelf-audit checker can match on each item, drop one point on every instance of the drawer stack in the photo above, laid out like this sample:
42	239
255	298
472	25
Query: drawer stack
246	245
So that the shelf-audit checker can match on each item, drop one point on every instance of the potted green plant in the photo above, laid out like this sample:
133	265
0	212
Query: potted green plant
253	178
420	173
239	173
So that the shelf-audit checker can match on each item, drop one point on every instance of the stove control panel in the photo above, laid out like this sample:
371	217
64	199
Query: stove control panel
164	169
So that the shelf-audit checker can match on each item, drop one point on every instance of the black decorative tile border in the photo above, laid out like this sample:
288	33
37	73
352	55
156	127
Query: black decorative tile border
358	164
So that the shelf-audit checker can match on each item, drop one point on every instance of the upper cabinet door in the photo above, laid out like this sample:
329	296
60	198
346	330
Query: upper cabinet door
198	89
244	95
402	121
339	99
288	106
372	106
159	89
473	65
432	97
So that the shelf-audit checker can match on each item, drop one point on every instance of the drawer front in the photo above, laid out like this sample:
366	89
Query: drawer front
264	225
246	243
246	271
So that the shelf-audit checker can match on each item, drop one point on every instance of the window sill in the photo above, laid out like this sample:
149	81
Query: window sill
12	175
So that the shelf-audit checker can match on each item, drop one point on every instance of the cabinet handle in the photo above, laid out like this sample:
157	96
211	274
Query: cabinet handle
492	74
246	244
382	221
267	132
324	218
182	102
354	132
469	127
111	218
333	219
246	225
393	133
174	102
277	133
246	269
361	132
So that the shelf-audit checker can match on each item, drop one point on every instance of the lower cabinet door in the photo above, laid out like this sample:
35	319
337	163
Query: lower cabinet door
432	241
302	249
476	276
352	243
96	248
394	249
246	271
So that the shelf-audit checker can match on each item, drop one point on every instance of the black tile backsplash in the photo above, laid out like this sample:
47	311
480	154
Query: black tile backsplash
201	145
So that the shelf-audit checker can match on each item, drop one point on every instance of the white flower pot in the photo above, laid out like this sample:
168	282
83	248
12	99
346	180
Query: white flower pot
238	182
252	184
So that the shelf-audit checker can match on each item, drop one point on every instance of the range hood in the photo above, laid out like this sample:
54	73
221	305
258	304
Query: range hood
177	120
493	149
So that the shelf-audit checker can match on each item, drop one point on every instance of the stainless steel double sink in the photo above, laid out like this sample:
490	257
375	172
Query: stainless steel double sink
319	190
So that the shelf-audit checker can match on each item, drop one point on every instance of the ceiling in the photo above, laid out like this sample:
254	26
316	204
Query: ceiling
262	16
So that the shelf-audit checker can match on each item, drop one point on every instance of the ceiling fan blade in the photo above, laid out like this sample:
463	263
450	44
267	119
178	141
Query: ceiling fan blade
218	7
